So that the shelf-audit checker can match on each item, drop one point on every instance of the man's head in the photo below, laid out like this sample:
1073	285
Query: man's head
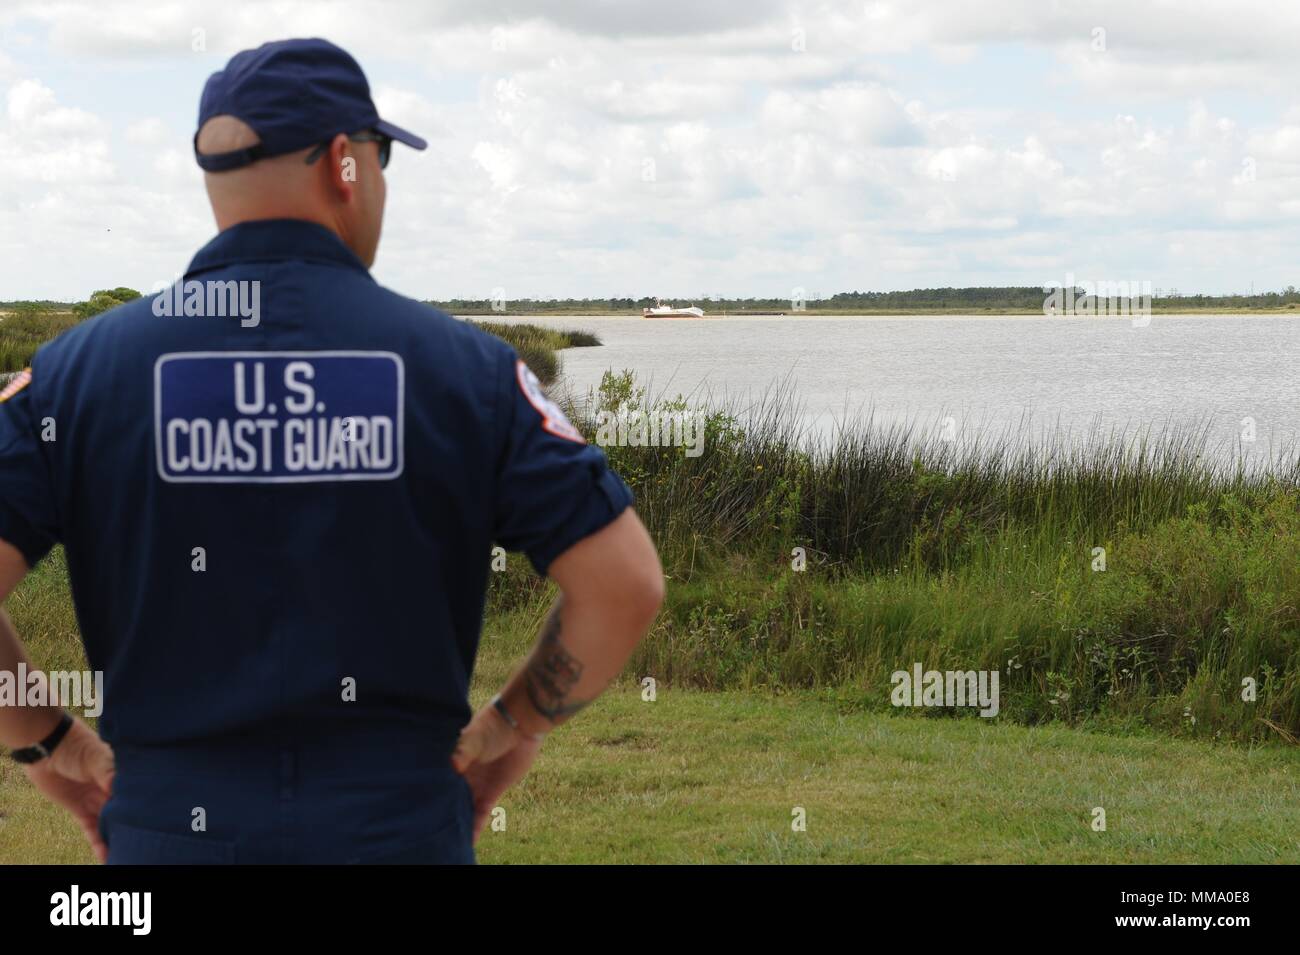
289	131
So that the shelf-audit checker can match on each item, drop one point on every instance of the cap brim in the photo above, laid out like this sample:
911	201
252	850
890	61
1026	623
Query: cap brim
401	135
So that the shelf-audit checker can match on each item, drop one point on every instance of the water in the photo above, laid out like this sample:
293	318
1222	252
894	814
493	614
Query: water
1020	376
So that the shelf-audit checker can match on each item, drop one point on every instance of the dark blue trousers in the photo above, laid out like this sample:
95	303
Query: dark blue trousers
388	799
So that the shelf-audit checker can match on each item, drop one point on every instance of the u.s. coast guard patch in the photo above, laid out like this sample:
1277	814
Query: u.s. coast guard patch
278	417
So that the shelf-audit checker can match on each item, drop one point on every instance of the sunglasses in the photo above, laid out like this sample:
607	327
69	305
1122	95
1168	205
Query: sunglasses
365	136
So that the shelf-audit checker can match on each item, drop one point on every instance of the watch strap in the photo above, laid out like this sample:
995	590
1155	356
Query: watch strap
43	749
500	706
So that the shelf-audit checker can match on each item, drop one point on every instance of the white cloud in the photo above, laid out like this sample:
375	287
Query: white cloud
582	147
150	131
42	141
32	108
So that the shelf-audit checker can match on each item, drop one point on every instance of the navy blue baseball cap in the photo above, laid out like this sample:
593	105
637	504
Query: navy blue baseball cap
294	94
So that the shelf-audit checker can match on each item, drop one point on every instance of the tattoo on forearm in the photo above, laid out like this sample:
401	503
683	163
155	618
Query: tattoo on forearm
553	672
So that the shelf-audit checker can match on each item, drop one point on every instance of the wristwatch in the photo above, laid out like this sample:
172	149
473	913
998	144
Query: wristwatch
42	750
500	706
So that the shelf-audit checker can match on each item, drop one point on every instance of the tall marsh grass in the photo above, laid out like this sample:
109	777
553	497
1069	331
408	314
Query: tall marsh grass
537	346
1146	578
22	331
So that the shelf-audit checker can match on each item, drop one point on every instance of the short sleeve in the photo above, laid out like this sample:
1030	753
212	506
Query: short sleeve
552	487
27	512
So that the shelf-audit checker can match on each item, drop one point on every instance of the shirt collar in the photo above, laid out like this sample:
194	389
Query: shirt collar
275	240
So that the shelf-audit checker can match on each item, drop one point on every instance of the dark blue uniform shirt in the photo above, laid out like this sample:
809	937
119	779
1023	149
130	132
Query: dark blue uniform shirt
345	464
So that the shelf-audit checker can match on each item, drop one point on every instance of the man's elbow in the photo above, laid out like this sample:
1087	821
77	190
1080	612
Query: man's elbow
627	600
617	573
644	591
650	593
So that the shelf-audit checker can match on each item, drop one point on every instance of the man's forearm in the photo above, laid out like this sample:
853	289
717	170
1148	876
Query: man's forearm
580	649
20	725
612	587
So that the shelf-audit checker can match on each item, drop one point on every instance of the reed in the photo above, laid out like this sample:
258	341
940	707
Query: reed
537	346
1147	577
24	330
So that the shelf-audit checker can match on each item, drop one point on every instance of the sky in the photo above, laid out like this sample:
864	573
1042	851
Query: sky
694	148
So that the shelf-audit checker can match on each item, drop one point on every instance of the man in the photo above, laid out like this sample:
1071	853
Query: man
277	488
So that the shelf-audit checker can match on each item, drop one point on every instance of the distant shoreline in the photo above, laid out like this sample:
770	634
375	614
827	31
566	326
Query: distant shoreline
890	313
64	309
1211	312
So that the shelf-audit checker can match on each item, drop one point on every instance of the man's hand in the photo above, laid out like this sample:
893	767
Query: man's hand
492	756
611	587
78	776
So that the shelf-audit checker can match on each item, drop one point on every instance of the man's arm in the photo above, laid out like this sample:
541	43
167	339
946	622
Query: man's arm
78	775
19	725
611	588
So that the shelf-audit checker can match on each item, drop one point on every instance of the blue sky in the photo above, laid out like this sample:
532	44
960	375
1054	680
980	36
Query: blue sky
587	148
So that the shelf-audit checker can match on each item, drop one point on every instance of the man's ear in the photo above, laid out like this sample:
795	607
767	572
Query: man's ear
342	168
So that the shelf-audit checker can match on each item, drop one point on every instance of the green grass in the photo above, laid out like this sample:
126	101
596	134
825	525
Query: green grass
974	555
25	330
27	325
715	777
701	776
1121	687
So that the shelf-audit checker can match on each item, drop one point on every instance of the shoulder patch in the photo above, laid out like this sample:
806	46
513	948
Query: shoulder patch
16	384
554	420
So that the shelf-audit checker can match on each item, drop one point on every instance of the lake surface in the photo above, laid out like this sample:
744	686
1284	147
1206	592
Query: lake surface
1020	376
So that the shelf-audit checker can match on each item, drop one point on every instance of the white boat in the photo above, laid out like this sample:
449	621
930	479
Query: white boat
667	311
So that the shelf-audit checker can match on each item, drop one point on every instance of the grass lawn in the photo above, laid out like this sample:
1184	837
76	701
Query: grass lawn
714	776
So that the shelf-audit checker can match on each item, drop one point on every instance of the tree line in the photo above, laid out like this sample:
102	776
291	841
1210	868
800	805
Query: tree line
979	298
